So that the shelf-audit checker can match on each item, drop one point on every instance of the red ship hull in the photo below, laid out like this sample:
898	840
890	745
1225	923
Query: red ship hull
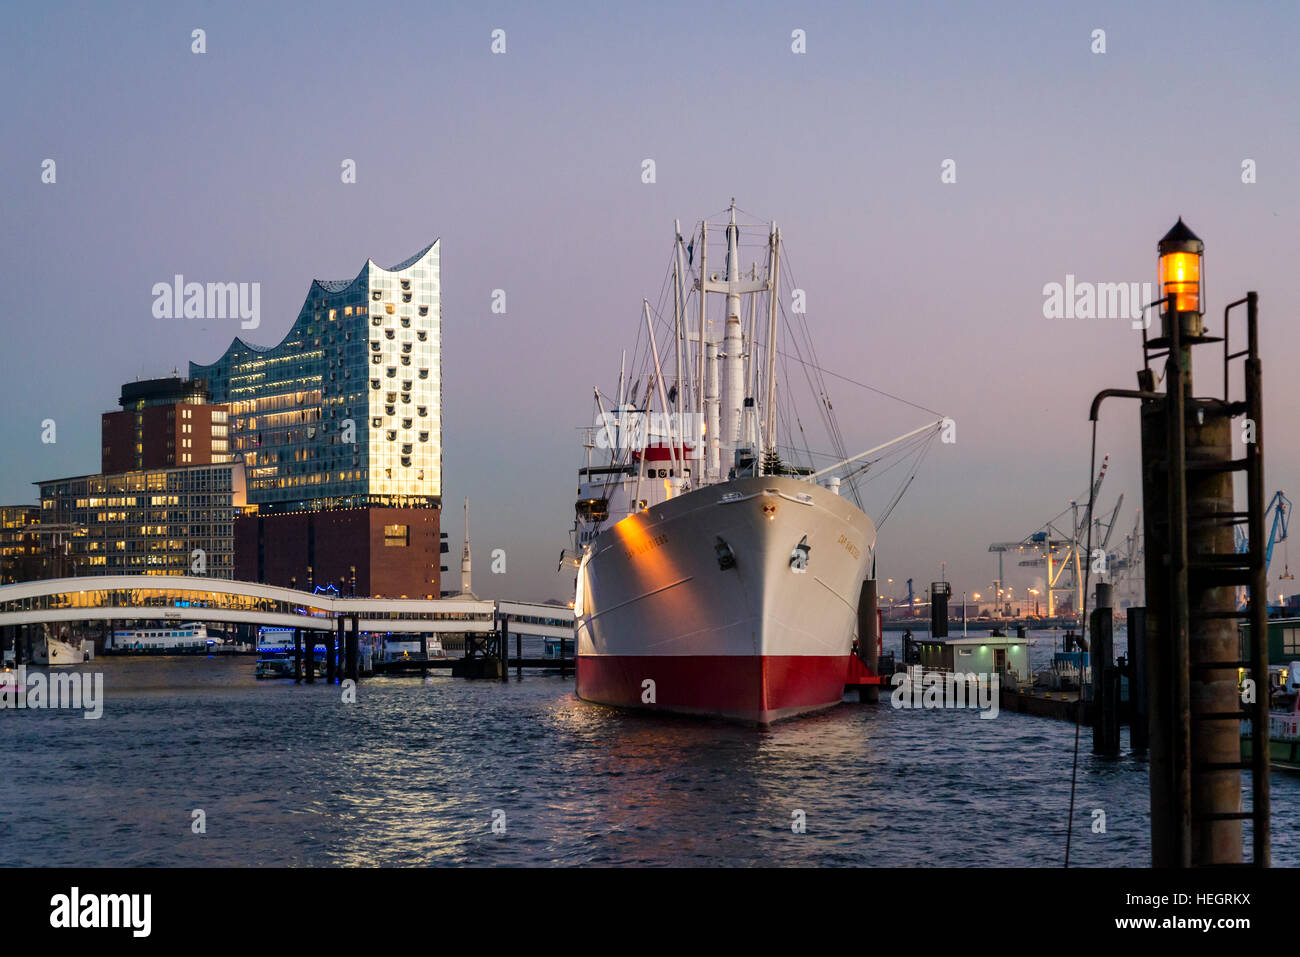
753	689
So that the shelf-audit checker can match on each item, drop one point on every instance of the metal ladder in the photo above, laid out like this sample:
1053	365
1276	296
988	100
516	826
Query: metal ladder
1237	569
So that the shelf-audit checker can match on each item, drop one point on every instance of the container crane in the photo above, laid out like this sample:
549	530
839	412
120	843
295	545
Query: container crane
1279	508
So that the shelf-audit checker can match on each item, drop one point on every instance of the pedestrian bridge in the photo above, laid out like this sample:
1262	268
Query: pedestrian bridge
120	598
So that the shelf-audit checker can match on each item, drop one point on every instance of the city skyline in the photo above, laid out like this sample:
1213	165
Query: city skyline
228	166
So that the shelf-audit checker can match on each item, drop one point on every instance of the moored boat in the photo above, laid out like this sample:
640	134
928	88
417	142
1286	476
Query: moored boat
1283	720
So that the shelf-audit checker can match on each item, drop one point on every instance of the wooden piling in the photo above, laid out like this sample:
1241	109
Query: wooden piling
1105	697
297	655
1137	688
868	636
350	668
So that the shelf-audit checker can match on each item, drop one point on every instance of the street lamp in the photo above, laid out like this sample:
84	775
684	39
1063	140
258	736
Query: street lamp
963	614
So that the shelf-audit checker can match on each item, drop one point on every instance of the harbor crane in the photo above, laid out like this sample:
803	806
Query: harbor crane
1278	517
1058	547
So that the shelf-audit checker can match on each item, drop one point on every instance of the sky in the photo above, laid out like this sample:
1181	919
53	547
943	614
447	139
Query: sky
225	166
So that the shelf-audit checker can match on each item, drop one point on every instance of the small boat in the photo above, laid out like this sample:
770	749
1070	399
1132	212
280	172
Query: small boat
57	648
1283	720
274	667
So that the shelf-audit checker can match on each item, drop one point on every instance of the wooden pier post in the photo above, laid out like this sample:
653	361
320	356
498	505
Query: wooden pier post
350	670
1105	698
331	652
297	655
503	647
1137	688
868	636
311	658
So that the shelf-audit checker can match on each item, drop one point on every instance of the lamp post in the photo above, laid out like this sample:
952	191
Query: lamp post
963	614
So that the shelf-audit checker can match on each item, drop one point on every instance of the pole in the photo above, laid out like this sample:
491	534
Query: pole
334	650
297	655
350	670
1105	716
311	658
1260	796
1138	735
868	636
773	310
503	647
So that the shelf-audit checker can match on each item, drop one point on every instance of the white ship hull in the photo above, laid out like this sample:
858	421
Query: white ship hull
53	651
661	625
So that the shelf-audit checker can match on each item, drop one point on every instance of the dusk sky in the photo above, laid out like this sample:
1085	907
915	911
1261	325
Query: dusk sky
225	166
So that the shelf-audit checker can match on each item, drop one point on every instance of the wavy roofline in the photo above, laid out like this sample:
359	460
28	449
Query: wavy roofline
339	286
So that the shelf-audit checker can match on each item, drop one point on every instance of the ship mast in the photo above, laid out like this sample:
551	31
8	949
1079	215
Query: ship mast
769	380
724	407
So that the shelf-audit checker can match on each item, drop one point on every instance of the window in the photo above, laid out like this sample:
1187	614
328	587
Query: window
375	346
376	360
406	297
1291	641
406	423
397	536
422	335
424	373
406	284
424	310
406	322
376	320
376	295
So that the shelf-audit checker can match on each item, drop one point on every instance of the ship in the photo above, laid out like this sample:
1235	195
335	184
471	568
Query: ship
716	577
57	647
1283	719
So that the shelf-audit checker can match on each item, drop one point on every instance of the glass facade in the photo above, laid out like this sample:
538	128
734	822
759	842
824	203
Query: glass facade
347	410
144	523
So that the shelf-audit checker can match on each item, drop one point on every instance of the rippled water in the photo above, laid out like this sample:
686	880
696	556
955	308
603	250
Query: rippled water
412	773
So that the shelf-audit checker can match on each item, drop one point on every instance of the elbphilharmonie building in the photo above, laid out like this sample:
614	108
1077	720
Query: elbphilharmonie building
340	430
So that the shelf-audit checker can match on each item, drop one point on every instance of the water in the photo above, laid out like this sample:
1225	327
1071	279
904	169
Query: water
412	773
